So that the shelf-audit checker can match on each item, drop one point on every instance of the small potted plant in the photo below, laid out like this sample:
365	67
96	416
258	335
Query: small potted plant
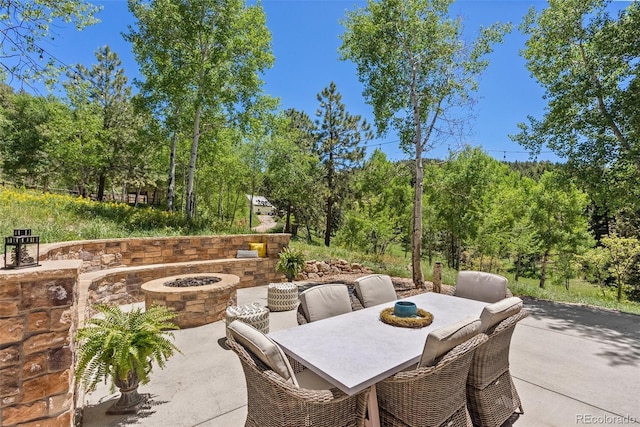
290	262
121	346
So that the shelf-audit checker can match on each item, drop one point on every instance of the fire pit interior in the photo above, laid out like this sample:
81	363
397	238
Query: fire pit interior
189	281
198	299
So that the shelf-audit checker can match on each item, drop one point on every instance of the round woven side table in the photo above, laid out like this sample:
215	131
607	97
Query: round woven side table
282	296
253	314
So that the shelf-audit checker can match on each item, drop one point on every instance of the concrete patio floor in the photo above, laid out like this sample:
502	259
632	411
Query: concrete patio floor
572	365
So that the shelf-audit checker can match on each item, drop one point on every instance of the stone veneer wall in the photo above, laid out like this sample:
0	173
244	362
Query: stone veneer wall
110	253
38	319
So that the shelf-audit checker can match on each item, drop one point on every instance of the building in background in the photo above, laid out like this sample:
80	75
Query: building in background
260	205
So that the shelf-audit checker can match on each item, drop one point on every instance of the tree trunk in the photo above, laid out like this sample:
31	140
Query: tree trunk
102	179
309	239
137	196
619	296
220	197
171	188
543	269
437	277
191	198
251	206
518	264
416	235
235	208
327	233
287	223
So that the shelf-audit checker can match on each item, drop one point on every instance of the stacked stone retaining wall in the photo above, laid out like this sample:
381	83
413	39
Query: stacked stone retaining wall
111	253
38	319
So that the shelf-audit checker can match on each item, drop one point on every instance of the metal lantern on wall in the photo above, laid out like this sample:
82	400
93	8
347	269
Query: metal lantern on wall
21	250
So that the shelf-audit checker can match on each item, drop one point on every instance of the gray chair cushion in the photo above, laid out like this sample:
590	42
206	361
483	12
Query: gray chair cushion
264	348
498	311
481	286
322	301
441	340
374	289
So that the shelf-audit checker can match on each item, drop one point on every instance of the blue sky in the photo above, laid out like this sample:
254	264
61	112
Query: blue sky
305	42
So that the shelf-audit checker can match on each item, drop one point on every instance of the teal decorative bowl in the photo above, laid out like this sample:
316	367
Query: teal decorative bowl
405	309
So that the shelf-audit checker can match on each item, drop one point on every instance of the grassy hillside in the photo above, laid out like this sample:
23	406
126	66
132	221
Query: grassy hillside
57	218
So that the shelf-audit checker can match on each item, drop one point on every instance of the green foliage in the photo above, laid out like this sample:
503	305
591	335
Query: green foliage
595	265
462	192
22	146
293	176
338	136
418	74
201	61
117	343
623	253
557	210
587	62
104	86
290	262
25	27
378	213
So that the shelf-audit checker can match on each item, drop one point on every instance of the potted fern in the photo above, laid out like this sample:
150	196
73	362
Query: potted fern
121	346
290	262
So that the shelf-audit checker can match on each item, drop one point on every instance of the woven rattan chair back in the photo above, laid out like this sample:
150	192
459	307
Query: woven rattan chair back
491	395
430	396
273	402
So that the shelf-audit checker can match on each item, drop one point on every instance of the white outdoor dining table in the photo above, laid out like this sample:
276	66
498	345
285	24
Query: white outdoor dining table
356	350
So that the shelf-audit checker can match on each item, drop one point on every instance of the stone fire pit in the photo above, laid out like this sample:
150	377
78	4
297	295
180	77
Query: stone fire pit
195	297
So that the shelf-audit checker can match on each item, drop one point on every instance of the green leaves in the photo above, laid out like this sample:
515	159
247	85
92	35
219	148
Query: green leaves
338	136
588	66
418	73
118	342
201	60
290	262
378	214
23	27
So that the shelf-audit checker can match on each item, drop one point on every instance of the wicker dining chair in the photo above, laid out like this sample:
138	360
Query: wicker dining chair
322	301
295	399
480	286
374	289
433	394
491	394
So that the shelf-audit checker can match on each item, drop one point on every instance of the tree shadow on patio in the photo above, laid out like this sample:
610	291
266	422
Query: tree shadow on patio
613	328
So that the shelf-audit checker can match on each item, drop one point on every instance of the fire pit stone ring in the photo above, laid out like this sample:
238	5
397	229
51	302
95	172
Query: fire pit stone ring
195	305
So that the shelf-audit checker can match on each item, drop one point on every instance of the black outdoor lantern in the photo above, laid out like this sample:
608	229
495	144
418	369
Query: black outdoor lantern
21	250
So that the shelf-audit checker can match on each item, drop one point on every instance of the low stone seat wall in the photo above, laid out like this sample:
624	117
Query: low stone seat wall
122	285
